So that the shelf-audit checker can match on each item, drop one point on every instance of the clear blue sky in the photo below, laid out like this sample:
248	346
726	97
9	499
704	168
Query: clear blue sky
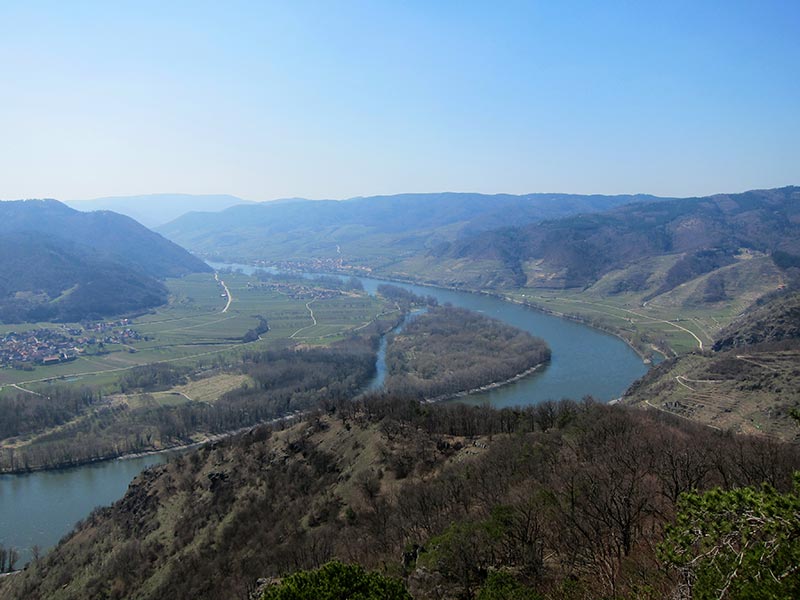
337	99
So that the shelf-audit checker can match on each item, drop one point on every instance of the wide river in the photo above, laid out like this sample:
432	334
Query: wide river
39	508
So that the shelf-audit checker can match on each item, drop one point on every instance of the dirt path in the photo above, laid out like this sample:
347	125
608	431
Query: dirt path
674	414
174	393
638	314
22	389
633	312
749	359
313	318
227	293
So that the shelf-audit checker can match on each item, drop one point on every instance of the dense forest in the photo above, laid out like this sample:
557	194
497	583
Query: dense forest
449	350
561	500
23	413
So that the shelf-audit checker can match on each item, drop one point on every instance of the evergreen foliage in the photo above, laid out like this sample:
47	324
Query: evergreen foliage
742	543
337	581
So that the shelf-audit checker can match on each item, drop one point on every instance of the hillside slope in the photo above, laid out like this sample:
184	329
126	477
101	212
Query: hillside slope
749	382
46	279
61	264
774	319
701	234
106	233
566	498
372	230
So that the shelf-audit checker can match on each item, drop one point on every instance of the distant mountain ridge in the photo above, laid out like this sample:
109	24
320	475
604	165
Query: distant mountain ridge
105	232
376	228
577	251
152	210
62	264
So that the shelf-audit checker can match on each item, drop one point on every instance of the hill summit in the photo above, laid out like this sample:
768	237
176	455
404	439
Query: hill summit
62	264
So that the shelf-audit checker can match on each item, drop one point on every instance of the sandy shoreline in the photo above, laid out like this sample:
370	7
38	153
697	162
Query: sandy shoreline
487	387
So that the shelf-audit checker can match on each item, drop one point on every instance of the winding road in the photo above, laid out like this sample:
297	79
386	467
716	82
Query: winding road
227	293
313	318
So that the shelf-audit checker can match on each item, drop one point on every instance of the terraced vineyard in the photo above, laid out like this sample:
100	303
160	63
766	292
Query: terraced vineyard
674	322
749	391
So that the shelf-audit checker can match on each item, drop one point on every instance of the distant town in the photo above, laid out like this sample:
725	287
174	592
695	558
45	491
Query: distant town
47	346
297	291
318	265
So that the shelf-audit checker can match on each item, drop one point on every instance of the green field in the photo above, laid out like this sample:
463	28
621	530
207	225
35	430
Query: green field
193	328
672	330
675	321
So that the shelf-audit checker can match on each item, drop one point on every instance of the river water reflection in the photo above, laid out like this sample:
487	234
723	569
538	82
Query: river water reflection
584	361
39	508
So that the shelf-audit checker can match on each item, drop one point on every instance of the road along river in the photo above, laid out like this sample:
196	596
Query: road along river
39	508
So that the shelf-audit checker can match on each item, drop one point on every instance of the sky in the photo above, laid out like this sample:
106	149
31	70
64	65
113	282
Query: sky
328	99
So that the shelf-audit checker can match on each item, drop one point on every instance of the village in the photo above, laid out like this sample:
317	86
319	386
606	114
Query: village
316	265
45	346
296	291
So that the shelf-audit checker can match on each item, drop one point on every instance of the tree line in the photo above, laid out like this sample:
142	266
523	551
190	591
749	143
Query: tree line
285	381
404	298
450	350
562	500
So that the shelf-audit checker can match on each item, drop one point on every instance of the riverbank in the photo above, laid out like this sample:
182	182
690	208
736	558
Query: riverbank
224	435
485	388
41	507
646	354
618	333
585	361
209	439
449	350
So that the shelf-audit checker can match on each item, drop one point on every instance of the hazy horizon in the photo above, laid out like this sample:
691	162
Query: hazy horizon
359	196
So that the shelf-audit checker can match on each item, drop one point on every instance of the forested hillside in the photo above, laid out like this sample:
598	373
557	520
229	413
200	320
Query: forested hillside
63	265
775	318
702	234
44	278
108	234
369	231
556	501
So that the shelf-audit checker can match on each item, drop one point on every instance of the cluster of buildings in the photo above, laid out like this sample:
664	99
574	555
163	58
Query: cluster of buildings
42	346
296	291
53	346
110	332
316	265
